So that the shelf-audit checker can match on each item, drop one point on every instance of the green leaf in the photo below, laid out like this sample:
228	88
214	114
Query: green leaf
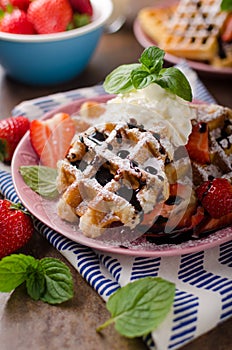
119	80
152	58
40	179
131	77
35	281
141	78
226	5
139	307
14	271
58	281
173	80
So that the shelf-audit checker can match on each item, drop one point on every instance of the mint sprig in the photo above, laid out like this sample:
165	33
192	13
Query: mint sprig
40	179
48	279
140	306
131	77
226	5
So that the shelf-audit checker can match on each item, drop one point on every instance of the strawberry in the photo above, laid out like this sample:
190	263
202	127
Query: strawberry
50	16
16	227
16	22
11	131
198	143
227	30
21	4
216	197
51	138
82	6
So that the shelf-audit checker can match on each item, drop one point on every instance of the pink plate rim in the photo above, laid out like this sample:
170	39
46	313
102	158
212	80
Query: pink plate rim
25	155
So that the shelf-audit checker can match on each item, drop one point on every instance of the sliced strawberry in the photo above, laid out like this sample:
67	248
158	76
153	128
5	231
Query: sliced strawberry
227	31
51	138
82	6
216	197
198	144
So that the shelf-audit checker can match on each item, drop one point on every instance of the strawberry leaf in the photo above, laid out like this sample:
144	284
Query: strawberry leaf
139	307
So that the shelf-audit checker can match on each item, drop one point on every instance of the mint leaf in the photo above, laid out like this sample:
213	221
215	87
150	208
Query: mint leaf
139	307
173	80
40	179
14	271
141	78
131	77
58	280
119	80
226	5
35	281
48	279
152	59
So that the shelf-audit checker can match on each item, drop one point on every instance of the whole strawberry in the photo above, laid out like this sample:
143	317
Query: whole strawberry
216	197
16	22
82	6
50	16
16	228
11	131
21	4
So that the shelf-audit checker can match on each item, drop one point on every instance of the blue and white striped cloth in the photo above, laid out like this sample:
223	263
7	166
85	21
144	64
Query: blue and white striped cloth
203	279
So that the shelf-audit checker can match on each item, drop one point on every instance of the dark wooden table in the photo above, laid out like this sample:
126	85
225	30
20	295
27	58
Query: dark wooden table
26	324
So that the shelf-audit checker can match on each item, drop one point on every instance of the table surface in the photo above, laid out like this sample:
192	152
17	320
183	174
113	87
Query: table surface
27	324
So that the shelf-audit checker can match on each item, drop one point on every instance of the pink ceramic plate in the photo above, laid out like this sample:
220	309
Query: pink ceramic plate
45	210
146	41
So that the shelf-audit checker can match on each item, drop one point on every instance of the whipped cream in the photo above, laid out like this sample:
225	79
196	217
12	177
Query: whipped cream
153	105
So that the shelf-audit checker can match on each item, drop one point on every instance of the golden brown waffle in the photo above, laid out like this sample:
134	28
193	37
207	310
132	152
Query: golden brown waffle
119	174
154	21
194	29
190	30
115	172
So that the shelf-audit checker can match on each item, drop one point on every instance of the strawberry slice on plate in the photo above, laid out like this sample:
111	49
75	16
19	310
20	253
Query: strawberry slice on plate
198	143
216	197
51	138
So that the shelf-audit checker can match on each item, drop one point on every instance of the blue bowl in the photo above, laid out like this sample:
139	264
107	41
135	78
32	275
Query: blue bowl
48	59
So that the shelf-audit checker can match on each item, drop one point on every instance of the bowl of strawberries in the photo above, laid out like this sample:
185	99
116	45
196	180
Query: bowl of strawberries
47	42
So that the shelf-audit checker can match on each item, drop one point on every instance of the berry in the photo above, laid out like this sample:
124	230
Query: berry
11	131
82	6
198	143
21	4
51	138
216	197
16	22
50	16
227	31
16	227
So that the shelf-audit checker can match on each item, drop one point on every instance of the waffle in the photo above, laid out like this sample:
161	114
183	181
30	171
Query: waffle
191	30
120	174
115	173
153	21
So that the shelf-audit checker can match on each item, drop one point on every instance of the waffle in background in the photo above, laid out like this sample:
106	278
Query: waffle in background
192	29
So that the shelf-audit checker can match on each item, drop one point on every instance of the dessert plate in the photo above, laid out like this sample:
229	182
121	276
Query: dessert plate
145	41
45	210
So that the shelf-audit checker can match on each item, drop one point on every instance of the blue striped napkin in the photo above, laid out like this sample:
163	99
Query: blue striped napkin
203	279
